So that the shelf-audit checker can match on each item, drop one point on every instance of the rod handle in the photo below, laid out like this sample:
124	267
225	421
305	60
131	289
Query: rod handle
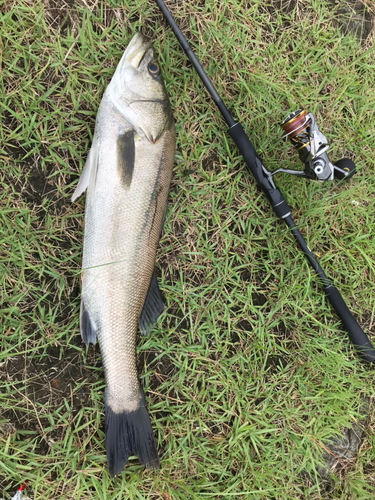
256	168
356	334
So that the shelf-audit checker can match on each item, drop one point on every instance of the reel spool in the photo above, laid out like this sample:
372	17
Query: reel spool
301	129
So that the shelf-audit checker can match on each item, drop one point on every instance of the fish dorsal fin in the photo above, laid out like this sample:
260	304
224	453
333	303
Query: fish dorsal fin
88	173
152	308
125	157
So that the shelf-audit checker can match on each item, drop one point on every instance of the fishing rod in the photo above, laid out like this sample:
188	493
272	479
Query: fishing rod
300	127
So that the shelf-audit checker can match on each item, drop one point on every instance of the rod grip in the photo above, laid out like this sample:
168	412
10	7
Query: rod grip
247	150
356	334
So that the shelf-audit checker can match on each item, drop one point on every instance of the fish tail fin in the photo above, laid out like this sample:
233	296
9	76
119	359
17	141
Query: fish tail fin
129	433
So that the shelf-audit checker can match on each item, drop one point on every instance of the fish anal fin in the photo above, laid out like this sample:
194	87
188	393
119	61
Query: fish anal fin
129	433
125	157
88	174
86	325
152	307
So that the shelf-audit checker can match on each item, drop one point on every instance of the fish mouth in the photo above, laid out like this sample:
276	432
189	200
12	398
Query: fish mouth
136	50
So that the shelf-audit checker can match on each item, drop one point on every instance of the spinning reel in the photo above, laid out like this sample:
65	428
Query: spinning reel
301	129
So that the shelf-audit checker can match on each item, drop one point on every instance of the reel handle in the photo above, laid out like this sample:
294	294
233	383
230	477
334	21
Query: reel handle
344	169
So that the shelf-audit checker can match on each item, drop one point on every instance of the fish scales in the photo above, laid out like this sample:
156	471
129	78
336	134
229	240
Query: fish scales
119	257
129	170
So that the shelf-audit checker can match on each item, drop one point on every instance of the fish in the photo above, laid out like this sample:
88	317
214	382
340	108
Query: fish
127	177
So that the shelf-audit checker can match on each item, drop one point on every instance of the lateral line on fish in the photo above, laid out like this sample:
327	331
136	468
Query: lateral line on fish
158	101
153	217
150	204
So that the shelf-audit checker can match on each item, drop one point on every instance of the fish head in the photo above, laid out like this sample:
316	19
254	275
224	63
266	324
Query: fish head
137	90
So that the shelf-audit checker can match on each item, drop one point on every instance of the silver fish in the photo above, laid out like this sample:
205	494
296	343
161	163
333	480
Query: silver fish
127	176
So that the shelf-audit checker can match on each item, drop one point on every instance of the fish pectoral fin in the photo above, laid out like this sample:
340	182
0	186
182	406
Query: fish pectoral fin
152	308
88	174
125	157
86	325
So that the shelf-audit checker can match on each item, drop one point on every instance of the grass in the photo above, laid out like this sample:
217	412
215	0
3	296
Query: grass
248	374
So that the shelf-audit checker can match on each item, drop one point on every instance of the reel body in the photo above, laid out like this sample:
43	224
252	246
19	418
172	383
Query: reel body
301	129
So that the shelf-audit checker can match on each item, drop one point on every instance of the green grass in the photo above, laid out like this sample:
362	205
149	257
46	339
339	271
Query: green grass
248	374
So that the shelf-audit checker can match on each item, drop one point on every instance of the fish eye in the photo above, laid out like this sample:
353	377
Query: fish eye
154	69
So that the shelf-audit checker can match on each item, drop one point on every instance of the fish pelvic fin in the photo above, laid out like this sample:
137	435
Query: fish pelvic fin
129	433
88	175
86	326
152	307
